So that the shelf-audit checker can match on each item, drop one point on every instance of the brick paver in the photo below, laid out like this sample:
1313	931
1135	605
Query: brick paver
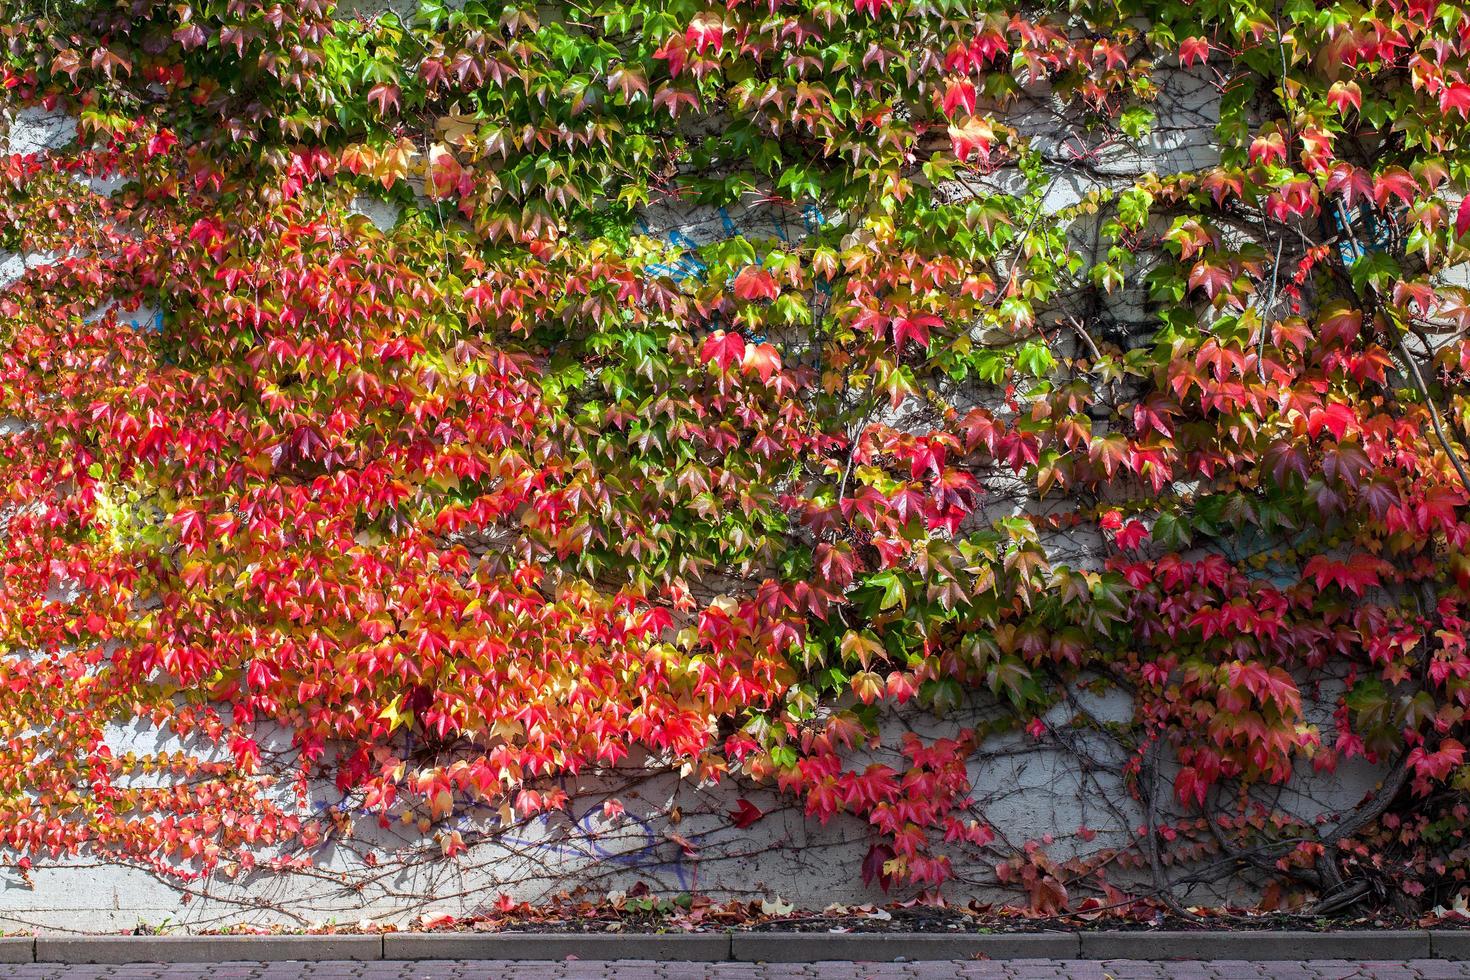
640	969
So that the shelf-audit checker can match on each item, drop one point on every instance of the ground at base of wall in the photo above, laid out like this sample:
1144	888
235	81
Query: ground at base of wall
648	913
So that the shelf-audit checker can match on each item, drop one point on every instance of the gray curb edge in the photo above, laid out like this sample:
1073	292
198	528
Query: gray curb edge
747	947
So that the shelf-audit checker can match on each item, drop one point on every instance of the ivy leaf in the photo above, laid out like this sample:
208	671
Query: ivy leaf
893	594
1171	532
1355	575
875	864
1136	121
1190	786
723	349
745	814
762	359
1036	359
1193	49
384	96
754	283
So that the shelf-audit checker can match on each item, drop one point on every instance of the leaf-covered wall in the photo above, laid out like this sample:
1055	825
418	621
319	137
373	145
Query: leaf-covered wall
818	448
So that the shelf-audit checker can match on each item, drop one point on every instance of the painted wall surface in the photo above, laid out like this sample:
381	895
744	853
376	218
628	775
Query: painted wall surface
1066	785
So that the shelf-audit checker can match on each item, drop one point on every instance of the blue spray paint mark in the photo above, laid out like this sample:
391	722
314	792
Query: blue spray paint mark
682	240
690	262
137	319
645	856
154	325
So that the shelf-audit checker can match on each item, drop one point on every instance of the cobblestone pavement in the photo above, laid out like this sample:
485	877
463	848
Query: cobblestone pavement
637	969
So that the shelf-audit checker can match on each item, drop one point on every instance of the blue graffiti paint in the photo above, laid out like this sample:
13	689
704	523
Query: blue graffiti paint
153	324
664	269
645	856
137	319
690	262
586	845
1358	231
683	241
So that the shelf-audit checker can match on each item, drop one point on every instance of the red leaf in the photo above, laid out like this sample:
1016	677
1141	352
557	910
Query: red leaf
723	348
1188	785
763	359
191	528
1132	535
383	96
1456	97
161	143
1212	279
1345	94
878	855
1351	182
1395	182
1193	49
259	675
745	813
915	328
1440	763
1462	218
705	32
836	562
1358	573
1336	418
975	137
755	283
959	94
1268	147
675	51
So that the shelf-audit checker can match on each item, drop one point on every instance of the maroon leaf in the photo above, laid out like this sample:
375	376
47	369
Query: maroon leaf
745	814
878	856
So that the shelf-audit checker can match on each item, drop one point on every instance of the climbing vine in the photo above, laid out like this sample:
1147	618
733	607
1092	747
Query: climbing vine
524	483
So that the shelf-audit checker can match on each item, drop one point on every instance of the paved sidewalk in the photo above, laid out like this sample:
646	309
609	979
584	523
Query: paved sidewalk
639	969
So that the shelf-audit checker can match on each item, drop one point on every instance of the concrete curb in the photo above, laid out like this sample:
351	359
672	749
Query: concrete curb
695	947
748	947
17	950
1446	945
204	949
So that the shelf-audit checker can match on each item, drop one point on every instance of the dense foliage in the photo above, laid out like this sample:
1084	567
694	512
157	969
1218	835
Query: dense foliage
539	487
